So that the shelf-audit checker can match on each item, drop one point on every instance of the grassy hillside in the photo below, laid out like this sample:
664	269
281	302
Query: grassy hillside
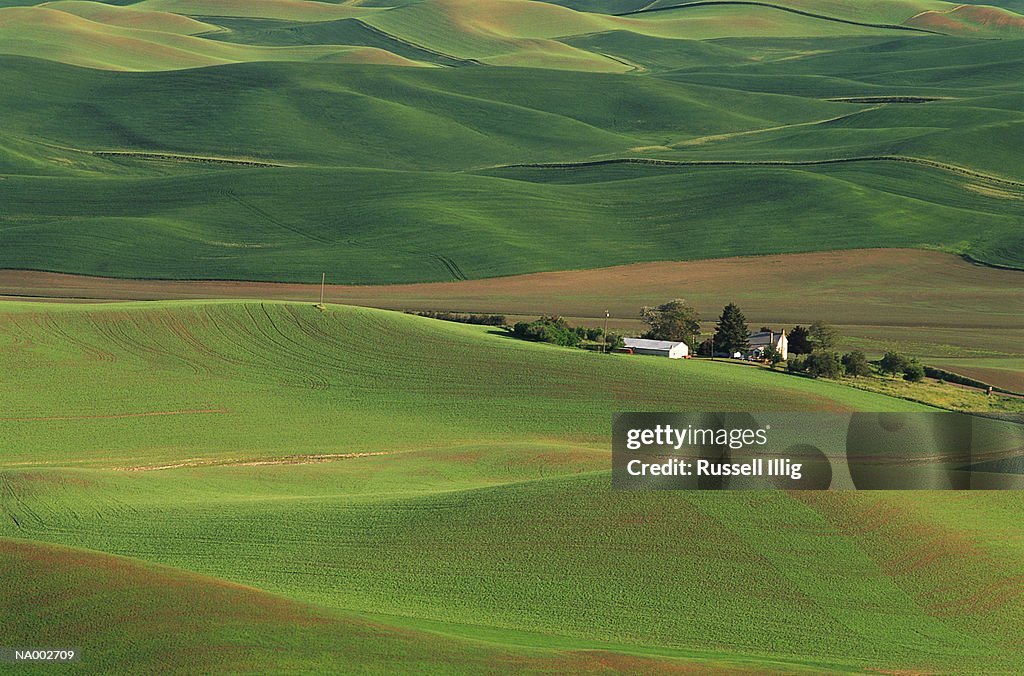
494	32
240	485
389	226
129	615
322	374
70	37
921	155
460	488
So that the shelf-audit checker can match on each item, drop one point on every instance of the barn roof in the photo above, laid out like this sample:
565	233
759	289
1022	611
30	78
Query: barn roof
765	337
645	344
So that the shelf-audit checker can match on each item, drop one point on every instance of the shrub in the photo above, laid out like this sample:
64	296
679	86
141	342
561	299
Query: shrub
462	317
914	372
822	364
893	363
554	330
856	364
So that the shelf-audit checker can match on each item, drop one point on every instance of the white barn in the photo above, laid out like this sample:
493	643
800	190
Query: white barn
660	348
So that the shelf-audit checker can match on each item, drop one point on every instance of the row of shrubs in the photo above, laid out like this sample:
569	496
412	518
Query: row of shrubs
829	364
557	331
554	330
949	376
462	317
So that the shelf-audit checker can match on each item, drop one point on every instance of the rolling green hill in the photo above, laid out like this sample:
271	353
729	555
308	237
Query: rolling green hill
503	151
389	226
194	487
322	373
461	489
109	603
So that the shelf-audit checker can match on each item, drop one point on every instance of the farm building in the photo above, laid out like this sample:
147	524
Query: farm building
760	340
660	348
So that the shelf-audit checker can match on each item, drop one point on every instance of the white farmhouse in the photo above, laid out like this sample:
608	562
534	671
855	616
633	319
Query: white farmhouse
661	348
760	340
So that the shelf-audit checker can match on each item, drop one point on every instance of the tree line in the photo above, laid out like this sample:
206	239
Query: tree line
811	348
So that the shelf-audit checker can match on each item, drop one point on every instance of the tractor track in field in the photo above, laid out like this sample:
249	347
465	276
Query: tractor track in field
281	341
92	352
782	8
118	333
903	159
252	208
447	263
450	265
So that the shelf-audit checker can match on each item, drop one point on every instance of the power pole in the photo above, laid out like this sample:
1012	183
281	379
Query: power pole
323	282
604	345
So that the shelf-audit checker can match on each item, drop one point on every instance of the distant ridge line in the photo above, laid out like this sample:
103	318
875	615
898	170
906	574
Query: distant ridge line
751	3
457	60
943	166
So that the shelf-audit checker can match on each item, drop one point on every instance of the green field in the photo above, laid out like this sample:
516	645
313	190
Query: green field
500	151
225	478
461	490
324	375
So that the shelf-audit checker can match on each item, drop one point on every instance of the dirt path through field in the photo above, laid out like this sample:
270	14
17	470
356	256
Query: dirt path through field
287	460
115	416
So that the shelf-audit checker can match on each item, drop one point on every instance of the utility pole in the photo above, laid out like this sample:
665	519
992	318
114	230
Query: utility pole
604	345
323	282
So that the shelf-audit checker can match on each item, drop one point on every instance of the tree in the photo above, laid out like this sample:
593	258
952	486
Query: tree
548	330
613	341
856	364
772	355
914	372
705	349
731	332
799	340
823	364
893	363
822	336
674	320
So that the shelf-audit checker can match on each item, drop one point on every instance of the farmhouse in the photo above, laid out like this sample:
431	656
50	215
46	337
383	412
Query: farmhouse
661	348
760	340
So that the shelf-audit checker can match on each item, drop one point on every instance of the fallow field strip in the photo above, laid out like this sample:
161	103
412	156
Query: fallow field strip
787	288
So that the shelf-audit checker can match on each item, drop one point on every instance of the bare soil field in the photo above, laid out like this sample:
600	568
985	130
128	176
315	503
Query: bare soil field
877	287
